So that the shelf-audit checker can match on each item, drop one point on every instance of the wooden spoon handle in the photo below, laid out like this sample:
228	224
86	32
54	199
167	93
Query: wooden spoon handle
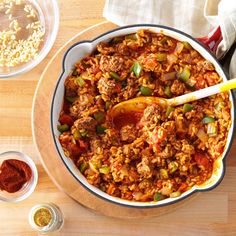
206	92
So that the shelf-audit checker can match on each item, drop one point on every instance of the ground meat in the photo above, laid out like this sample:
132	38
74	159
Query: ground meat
119	174
167	188
71	87
150	63
111	63
75	109
106	86
167	152
145	184
177	88
123	49
143	168
151	115
128	133
129	153
111	137
87	123
95	145
79	105
105	49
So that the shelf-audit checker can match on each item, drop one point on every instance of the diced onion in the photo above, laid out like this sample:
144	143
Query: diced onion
202	135
212	129
179	47
93	167
175	194
166	191
137	195
171	58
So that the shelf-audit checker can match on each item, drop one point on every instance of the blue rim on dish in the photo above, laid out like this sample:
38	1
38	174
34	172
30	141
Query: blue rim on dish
54	136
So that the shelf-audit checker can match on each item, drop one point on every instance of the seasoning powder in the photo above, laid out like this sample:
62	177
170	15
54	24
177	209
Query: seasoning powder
42	217
13	175
46	218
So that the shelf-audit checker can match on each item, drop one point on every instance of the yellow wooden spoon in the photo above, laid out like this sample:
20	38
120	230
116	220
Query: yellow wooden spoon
140	103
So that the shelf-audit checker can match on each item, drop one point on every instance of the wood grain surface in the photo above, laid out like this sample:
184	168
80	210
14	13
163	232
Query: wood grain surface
211	213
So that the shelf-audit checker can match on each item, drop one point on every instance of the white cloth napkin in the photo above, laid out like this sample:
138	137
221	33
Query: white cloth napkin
195	17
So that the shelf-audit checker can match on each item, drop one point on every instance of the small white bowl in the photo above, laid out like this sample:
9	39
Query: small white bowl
81	49
27	188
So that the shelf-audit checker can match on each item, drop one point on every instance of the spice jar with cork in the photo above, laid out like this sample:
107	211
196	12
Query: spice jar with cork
46	218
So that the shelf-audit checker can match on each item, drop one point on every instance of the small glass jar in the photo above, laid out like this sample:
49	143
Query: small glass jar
46	218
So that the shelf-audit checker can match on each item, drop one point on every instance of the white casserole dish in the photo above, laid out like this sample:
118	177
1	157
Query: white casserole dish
78	51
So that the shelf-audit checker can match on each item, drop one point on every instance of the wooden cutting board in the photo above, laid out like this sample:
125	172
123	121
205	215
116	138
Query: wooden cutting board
48	154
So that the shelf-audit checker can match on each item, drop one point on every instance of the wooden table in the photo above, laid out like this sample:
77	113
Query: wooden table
210	213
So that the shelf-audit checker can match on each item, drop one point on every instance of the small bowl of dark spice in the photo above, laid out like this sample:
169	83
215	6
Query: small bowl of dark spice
18	176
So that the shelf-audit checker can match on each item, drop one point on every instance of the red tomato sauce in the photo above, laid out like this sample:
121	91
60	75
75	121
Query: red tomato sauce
126	118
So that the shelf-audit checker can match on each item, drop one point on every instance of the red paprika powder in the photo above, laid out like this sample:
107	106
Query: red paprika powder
13	175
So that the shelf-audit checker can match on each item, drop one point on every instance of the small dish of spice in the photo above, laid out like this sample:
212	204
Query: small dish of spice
46	218
18	176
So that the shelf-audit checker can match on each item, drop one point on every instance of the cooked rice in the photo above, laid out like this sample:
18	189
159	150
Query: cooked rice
167	151
19	46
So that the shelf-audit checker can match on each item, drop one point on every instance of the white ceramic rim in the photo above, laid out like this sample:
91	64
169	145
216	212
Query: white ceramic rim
45	51
79	50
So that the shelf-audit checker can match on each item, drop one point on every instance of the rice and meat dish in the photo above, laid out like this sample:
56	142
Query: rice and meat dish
166	150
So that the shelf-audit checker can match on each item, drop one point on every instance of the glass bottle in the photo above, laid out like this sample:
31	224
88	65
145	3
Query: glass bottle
46	218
